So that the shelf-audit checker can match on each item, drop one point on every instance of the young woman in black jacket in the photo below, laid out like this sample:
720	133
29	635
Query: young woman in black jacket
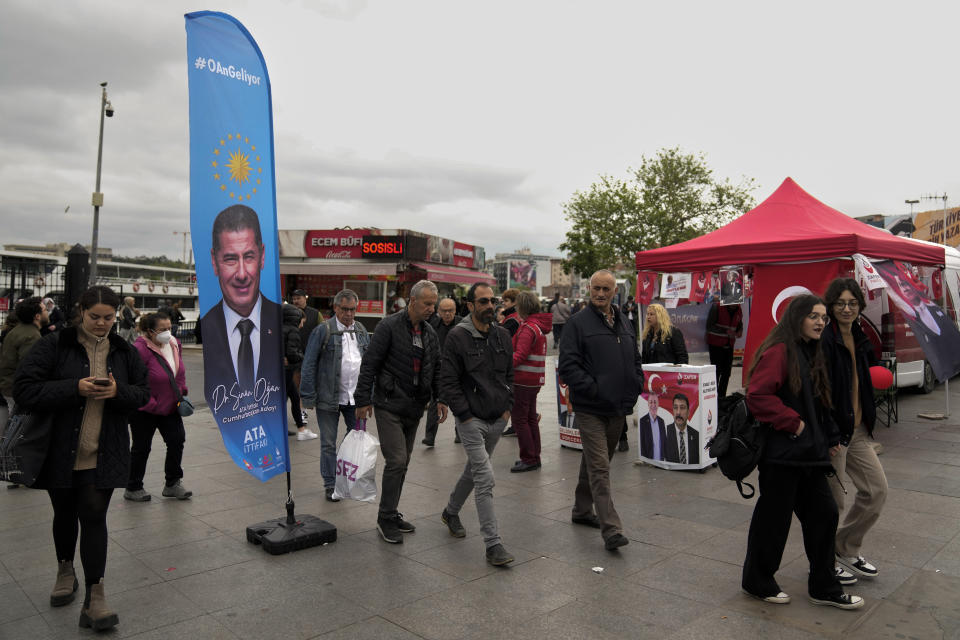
87	380
789	389
849	355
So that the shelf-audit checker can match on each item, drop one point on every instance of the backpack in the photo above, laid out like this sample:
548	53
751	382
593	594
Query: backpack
738	444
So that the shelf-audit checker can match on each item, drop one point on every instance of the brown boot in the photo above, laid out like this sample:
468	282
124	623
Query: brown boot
95	613
65	589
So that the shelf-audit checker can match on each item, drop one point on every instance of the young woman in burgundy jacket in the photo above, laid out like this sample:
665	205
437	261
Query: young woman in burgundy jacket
790	390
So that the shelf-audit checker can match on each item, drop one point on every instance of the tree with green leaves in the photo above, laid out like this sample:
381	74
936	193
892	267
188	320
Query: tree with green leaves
672	197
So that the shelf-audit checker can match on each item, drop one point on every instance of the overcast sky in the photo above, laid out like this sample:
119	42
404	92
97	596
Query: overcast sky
477	120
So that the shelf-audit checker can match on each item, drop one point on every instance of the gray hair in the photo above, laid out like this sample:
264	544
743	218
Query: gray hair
418	288
345	295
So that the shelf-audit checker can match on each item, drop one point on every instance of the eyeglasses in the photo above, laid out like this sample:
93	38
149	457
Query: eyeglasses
853	305
348	309
485	301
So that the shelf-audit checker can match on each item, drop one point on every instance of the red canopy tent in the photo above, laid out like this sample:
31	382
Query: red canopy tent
789	226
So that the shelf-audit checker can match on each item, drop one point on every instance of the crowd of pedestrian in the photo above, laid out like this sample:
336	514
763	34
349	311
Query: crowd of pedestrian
105	392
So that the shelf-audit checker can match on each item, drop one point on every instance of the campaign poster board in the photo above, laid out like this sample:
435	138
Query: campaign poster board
675	285
677	399
569	434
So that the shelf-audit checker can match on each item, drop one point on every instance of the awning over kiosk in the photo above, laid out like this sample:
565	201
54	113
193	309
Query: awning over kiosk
443	273
338	268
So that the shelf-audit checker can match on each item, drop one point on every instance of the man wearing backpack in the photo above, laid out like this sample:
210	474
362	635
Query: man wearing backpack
328	378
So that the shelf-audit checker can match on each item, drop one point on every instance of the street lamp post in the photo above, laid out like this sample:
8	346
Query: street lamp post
106	109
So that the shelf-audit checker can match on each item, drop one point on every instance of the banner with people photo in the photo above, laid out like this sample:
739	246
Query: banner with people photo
936	333
677	415
233	220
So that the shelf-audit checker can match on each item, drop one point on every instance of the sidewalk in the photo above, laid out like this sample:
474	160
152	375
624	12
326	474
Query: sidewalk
183	569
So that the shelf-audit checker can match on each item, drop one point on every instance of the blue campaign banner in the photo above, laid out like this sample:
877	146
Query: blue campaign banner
233	224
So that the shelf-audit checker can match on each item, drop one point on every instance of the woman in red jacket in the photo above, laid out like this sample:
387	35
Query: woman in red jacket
529	363
160	351
789	389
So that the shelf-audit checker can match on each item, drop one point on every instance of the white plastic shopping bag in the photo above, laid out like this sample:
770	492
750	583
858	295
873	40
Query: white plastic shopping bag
357	467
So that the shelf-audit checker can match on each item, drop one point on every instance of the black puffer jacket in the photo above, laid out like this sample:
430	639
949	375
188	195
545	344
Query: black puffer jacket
47	380
476	379
770	400
840	366
386	373
292	344
601	364
673	350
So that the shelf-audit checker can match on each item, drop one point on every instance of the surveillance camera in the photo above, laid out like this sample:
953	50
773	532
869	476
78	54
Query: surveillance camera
108	110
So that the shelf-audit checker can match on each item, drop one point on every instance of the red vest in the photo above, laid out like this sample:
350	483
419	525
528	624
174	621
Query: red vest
530	372
727	320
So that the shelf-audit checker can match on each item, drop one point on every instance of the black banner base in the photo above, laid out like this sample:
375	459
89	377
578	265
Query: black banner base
281	536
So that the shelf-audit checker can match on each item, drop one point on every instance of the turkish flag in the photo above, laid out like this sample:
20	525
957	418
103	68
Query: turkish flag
773	287
646	287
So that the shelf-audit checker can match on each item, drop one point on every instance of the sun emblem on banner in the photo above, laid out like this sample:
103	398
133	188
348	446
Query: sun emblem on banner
236	167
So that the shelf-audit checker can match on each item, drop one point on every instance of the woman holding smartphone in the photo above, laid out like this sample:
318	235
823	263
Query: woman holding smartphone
88	381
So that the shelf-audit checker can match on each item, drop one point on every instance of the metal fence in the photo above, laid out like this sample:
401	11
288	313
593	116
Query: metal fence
19	281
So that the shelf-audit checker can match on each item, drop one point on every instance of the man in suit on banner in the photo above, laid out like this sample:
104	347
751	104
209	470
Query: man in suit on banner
241	332
683	442
652	431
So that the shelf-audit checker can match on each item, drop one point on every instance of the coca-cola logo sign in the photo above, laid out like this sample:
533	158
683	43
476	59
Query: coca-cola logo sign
334	243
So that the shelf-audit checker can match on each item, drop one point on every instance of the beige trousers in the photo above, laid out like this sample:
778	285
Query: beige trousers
860	462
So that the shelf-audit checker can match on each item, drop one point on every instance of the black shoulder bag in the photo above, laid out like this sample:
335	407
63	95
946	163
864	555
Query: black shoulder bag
184	406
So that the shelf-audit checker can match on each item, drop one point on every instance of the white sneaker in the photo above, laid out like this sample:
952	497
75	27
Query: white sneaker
842	601
780	598
858	565
306	434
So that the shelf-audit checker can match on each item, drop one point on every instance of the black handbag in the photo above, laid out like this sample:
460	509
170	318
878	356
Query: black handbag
184	406
24	446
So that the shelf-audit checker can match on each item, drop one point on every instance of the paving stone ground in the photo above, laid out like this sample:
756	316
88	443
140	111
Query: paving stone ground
183	569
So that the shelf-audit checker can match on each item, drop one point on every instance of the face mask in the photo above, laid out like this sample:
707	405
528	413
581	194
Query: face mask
164	337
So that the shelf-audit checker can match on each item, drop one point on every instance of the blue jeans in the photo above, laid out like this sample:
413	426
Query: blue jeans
328	422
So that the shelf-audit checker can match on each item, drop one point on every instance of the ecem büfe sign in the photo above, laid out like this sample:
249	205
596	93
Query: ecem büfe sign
334	243
388	247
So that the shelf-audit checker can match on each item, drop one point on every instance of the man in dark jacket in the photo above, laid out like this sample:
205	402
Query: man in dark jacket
299	299
442	321
476	382
311	318
601	365
32	317
398	377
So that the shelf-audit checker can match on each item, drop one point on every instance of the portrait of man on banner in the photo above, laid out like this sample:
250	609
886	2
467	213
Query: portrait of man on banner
731	286
242	329
934	330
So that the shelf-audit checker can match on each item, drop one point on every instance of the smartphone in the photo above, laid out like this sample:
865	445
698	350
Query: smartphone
102	382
